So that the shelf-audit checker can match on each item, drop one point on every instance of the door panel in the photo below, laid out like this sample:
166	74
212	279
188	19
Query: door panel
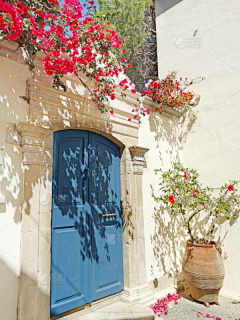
70	240
105	190
87	257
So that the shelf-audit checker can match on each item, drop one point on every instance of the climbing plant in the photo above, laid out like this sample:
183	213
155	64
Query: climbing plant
76	39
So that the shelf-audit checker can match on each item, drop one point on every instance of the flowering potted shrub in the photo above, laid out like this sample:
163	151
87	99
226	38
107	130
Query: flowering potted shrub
184	195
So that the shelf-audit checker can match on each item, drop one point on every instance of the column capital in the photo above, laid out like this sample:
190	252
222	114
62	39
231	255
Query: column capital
36	143
138	158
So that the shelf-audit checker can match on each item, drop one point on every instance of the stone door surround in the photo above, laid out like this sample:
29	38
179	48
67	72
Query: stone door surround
51	111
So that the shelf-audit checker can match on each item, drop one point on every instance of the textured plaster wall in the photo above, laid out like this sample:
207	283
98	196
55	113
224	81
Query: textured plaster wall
212	142
161	135
13	77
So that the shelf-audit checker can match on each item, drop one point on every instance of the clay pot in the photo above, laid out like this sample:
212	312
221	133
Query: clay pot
204	271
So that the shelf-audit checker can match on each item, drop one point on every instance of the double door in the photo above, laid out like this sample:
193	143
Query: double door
87	255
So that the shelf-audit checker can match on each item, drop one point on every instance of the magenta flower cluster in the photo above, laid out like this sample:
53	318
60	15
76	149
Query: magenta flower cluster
161	307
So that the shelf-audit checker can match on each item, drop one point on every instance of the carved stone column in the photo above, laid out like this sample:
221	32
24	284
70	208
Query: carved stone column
136	288
34	295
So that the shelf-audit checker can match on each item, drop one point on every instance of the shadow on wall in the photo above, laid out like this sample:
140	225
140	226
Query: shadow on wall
165	130
170	134
169	236
12	110
164	5
168	240
10	179
9	294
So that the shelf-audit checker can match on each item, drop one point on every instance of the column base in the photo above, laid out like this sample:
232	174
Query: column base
140	294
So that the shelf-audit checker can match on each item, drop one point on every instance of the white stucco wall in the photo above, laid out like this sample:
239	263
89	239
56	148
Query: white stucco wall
159	133
212	144
13	76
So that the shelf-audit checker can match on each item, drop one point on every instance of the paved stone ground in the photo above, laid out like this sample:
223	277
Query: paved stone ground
187	309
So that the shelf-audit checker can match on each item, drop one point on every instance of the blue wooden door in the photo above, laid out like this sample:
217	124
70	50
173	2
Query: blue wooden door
87	257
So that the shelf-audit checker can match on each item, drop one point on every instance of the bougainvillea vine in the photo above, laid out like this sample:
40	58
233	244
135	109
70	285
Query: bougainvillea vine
83	44
72	43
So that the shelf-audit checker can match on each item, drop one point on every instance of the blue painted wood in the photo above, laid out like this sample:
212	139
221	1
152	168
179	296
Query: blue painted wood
87	255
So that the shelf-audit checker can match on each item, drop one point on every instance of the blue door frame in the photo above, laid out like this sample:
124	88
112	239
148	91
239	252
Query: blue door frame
87	253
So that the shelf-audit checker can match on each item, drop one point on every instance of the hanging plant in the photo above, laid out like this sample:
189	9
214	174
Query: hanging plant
172	92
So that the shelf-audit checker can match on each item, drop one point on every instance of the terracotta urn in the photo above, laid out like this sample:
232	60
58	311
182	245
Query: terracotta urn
204	271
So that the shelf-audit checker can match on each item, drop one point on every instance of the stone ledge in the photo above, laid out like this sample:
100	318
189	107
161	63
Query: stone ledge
168	111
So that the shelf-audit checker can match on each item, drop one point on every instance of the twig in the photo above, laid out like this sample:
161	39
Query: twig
83	83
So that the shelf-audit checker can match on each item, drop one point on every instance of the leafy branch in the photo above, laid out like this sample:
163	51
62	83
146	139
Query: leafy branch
184	194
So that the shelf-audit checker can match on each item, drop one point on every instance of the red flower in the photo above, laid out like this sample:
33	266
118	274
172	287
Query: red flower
230	187
134	90
185	175
112	96
195	193
171	199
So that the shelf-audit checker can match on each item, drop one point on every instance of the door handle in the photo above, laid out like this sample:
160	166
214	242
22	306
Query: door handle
108	214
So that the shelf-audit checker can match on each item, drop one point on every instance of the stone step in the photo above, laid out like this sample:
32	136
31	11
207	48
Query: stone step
118	311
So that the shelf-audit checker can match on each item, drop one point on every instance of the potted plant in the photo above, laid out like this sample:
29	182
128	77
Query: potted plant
184	195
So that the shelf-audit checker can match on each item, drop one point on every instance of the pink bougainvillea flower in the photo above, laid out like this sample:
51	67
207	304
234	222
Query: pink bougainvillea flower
129	119
230	187
134	90
161	307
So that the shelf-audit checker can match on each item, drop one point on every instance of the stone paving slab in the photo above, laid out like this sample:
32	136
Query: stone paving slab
184	310
120	311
